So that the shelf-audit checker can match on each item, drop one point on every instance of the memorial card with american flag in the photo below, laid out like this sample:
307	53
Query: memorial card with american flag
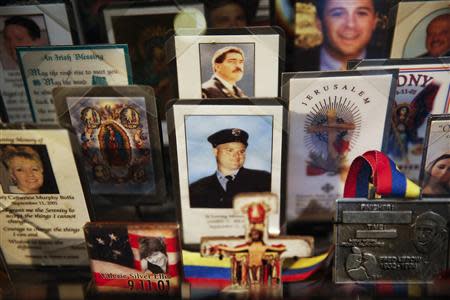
333	118
134	257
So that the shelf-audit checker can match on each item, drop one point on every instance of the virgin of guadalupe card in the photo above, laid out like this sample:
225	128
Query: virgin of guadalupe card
44	68
421	29
134	257
221	148
423	88
435	170
27	25
333	118
227	63
118	131
42	202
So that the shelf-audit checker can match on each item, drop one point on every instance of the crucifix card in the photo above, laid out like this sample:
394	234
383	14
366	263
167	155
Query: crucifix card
333	118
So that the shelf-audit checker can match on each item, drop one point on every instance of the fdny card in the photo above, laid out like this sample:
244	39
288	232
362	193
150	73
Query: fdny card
422	89
333	117
139	257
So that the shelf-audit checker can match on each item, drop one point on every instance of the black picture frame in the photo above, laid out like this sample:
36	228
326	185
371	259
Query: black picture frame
424	176
389	62
229	36
145	95
143	26
3	112
180	157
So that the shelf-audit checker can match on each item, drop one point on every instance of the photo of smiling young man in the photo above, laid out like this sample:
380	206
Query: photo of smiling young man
224	72
351	30
348	26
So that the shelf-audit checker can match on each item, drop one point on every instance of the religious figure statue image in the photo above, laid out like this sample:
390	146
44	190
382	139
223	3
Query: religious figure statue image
115	145
258	255
256	259
406	120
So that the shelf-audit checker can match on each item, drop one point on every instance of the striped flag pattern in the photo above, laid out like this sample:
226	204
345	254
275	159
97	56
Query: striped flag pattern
386	178
209	271
116	262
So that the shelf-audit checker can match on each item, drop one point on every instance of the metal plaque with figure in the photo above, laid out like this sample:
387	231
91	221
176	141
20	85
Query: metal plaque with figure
391	240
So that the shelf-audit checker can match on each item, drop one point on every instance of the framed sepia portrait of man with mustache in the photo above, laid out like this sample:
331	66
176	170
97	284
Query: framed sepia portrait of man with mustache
227	63
227	70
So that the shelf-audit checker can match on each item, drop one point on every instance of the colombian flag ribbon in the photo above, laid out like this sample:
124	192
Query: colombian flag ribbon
376	168
213	272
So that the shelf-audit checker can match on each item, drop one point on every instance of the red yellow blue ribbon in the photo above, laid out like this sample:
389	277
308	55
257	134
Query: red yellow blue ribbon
374	167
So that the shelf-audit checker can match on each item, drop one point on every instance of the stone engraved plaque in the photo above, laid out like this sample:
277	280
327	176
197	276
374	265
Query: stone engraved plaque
391	240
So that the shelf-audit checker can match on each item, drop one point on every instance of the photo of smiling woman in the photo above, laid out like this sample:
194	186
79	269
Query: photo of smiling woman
437	177
28	170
